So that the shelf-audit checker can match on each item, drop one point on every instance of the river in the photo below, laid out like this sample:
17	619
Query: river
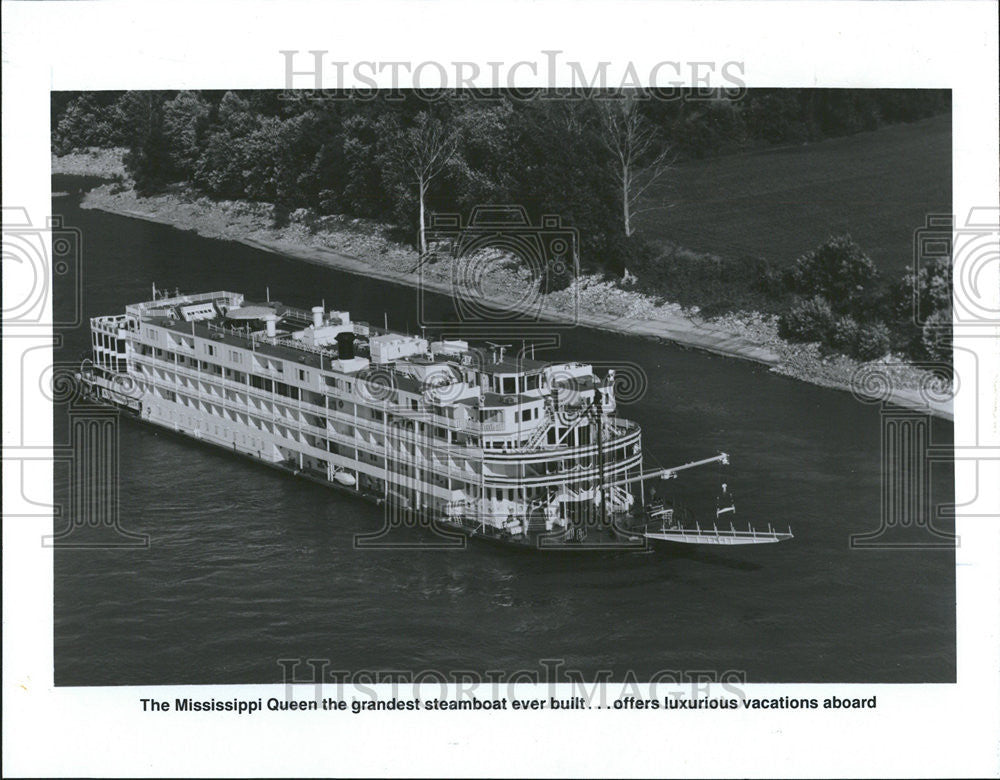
246	566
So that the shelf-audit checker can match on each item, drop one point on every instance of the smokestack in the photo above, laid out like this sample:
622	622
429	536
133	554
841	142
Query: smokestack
345	346
317	316
271	321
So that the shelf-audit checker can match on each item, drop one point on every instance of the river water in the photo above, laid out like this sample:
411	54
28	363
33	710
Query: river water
246	566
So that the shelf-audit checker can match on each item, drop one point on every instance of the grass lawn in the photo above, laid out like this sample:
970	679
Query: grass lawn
878	186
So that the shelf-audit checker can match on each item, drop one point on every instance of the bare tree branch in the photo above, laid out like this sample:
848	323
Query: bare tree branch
425	149
641	157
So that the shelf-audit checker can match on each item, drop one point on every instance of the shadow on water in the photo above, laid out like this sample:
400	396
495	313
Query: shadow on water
710	557
77	185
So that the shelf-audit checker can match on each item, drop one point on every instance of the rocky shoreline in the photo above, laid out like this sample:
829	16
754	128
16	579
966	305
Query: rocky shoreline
364	247
105	163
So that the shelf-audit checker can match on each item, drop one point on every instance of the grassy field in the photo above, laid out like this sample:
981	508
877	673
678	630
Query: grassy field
776	204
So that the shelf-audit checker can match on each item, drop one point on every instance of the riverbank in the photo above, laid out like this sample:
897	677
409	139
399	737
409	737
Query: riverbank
365	247
103	163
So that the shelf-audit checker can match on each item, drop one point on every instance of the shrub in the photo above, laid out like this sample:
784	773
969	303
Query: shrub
558	277
918	310
837	270
768	280
935	336
715	284
872	341
845	335
932	284
811	320
865	341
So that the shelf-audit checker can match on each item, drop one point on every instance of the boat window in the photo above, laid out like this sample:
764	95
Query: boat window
509	385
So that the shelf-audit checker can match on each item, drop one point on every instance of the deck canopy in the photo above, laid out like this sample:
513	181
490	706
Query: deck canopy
250	313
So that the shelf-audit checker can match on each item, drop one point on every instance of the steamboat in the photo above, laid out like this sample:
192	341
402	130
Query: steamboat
469	440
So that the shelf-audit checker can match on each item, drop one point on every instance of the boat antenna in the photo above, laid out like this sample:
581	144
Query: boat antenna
385	319
725	501
730	506
268	293
154	291
497	348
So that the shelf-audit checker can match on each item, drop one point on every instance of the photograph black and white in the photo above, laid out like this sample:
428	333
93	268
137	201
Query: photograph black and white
458	328
646	393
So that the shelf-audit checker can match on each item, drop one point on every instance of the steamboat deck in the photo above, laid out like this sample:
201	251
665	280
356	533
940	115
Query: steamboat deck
483	443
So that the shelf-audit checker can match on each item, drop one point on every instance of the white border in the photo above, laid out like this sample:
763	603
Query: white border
918	730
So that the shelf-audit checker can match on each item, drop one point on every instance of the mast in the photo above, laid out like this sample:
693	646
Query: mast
600	456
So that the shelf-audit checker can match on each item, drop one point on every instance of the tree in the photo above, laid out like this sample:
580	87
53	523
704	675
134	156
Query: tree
364	190
485	168
88	119
148	156
223	165
559	166
641	158
185	122
921	312
422	150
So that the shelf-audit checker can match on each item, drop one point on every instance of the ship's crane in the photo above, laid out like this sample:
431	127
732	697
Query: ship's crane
671	473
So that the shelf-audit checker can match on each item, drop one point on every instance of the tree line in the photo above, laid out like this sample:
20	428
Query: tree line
598	161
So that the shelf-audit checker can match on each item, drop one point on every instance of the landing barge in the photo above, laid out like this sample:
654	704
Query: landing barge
468	439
